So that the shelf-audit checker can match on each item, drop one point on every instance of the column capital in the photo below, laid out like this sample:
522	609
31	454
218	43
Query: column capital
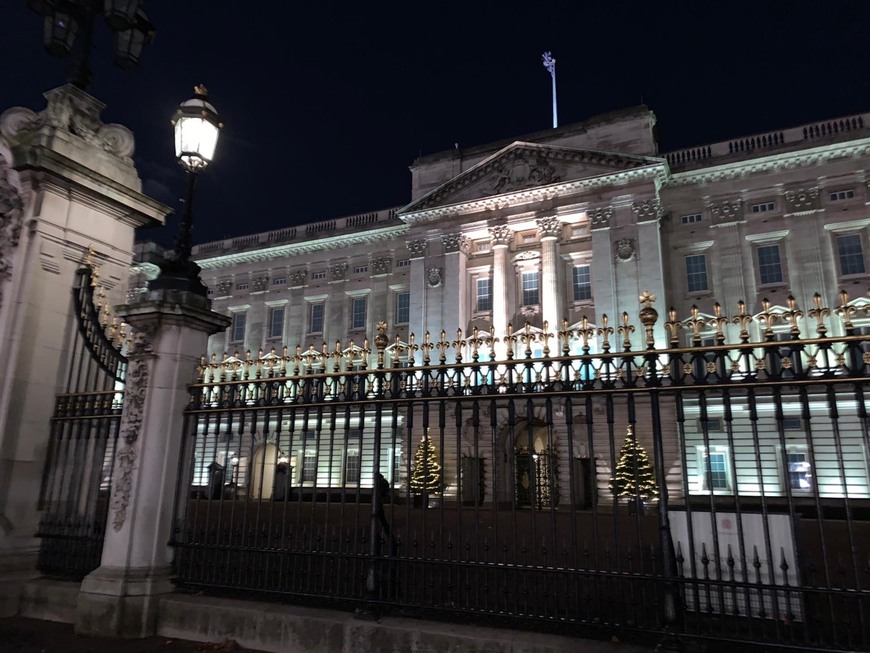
549	227
501	236
455	242
417	247
600	216
647	209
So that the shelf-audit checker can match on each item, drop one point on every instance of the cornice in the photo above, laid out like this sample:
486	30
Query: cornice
294	249
773	162
656	171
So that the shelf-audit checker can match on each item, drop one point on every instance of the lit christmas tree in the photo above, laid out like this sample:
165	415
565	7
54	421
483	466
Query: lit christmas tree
426	477
633	477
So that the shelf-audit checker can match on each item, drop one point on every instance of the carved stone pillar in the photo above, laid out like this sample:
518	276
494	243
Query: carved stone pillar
501	236
552	311
120	597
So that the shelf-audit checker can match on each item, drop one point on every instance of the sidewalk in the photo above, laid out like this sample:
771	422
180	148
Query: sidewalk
22	635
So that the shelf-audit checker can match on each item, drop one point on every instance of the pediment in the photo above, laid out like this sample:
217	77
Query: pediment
522	166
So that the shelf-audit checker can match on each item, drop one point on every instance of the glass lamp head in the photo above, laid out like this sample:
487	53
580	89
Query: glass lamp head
197	128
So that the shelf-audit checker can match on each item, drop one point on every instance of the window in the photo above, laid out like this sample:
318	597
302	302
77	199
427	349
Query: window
276	322
403	307
764	207
851	252
481	246
484	295
358	313
692	218
769	265
792	424
696	273
403	263
315	318
582	283
531	296
714	425
279	281
309	458
799	469
237	330
359	269
840	195
353	459
242	286
714	469
316	276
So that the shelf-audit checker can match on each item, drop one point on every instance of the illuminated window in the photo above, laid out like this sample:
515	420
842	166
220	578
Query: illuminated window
484	295
799	468
309	458
358	313
315	318
714	469
403	307
582	281
851	251
769	265
276	322
237	331
531	294
696	273
692	218
353	458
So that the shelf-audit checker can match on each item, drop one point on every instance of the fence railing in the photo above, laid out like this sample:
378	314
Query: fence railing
716	491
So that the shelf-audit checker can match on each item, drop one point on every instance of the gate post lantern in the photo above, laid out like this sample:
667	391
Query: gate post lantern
170	327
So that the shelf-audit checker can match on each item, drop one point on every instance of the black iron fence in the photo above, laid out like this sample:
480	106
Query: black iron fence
77	477
715	491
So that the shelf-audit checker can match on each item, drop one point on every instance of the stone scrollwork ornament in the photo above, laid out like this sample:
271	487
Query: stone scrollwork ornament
417	248
433	276
11	215
382	265
455	242
141	351
338	272
601	216
298	277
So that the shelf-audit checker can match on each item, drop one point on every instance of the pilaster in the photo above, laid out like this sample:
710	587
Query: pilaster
501	236
552	301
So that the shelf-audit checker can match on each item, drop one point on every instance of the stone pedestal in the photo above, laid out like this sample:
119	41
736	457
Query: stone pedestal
171	332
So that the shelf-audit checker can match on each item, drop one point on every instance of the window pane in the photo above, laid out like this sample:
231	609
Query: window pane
484	295
353	460
238	330
316	322
309	458
276	322
530	289
851	254
582	283
799	471
716	472
358	317
403	308
696	273
769	267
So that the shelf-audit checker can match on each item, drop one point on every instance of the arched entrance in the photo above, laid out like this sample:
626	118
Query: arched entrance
536	468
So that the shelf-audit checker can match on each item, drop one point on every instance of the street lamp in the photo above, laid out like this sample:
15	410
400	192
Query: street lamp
63	20
197	128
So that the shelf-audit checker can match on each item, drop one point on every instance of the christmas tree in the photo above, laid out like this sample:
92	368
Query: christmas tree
426	477
634	477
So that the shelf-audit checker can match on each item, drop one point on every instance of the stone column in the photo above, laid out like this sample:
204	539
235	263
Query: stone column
120	597
417	322
552	301
454	307
501	237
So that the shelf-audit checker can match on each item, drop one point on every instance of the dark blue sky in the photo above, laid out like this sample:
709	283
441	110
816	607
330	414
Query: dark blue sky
326	107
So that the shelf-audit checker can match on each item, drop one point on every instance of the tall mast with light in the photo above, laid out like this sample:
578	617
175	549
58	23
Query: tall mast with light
550	65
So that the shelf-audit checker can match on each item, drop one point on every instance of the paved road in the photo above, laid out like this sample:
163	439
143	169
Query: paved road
20	635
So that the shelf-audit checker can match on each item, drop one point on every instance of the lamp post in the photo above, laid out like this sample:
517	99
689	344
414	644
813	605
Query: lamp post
197	128
63	20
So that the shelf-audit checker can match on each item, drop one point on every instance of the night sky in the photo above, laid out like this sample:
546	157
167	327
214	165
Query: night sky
326	107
